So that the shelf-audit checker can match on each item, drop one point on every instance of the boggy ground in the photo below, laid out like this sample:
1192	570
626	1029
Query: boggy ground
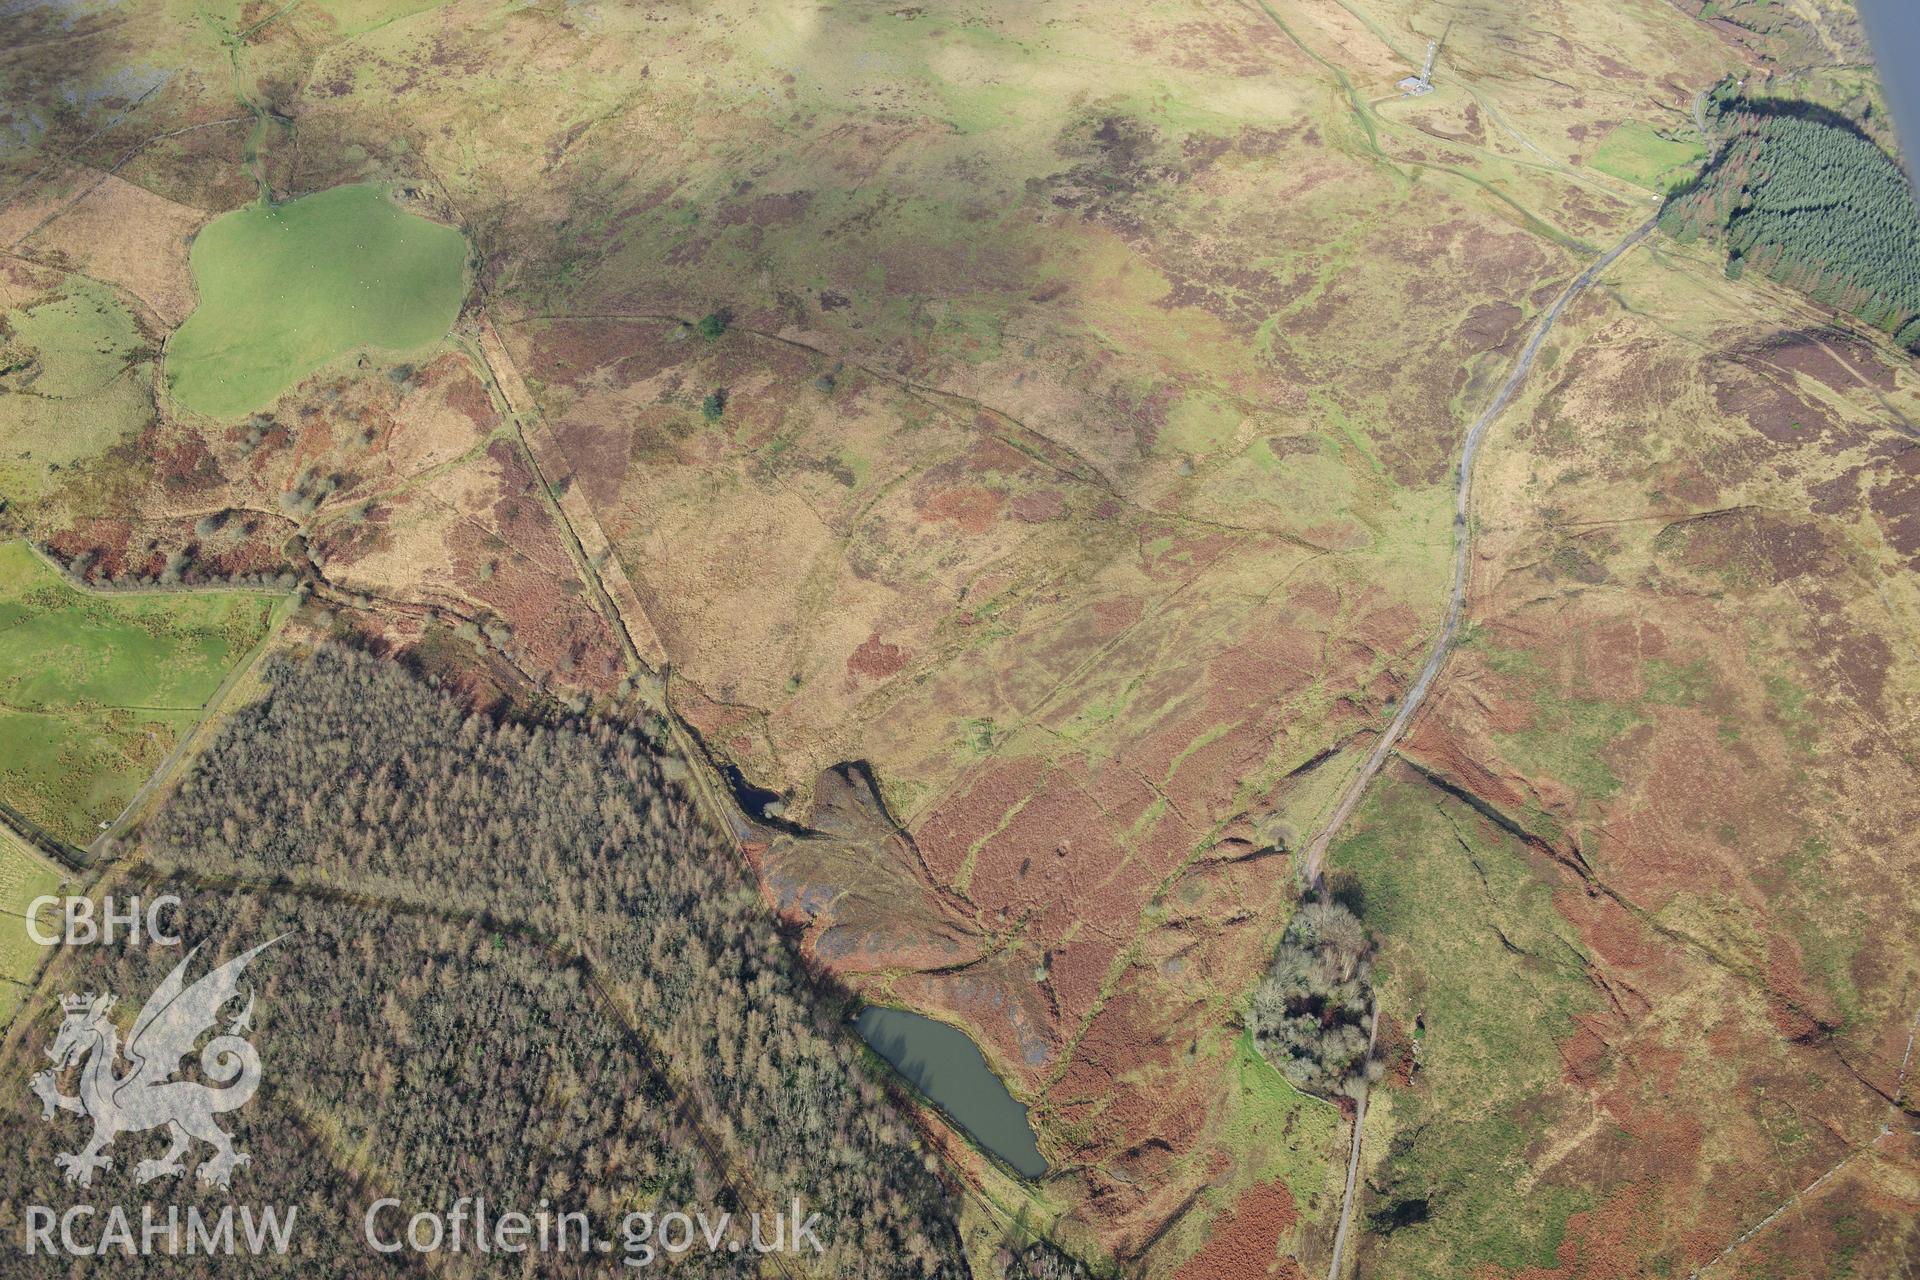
1088	394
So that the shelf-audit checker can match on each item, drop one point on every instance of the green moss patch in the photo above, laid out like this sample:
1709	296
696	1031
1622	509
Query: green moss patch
1635	153
286	288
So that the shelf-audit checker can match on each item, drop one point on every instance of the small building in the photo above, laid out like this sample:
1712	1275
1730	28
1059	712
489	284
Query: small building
1414	86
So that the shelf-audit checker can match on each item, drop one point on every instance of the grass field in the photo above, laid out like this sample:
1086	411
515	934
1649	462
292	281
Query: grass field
1286	1134
80	377
1469	943
95	690
286	288
1634	152
24	876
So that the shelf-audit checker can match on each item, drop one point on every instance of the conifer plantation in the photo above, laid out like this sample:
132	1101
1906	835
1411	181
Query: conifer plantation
409	1055
517	965
1813	205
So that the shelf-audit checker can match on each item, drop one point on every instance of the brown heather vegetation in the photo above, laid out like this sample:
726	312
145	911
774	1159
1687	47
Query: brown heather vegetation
1057	380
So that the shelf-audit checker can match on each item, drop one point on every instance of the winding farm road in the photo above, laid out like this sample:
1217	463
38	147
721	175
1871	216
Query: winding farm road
1442	645
1462	545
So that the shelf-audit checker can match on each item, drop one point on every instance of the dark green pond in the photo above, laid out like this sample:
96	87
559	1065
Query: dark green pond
947	1067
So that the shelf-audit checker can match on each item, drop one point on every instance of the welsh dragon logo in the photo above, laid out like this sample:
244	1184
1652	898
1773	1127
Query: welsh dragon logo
146	1096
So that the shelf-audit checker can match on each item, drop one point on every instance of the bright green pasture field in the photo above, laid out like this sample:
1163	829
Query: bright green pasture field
94	690
1637	154
286	288
24	876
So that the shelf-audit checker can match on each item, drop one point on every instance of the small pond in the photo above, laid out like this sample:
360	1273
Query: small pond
947	1067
